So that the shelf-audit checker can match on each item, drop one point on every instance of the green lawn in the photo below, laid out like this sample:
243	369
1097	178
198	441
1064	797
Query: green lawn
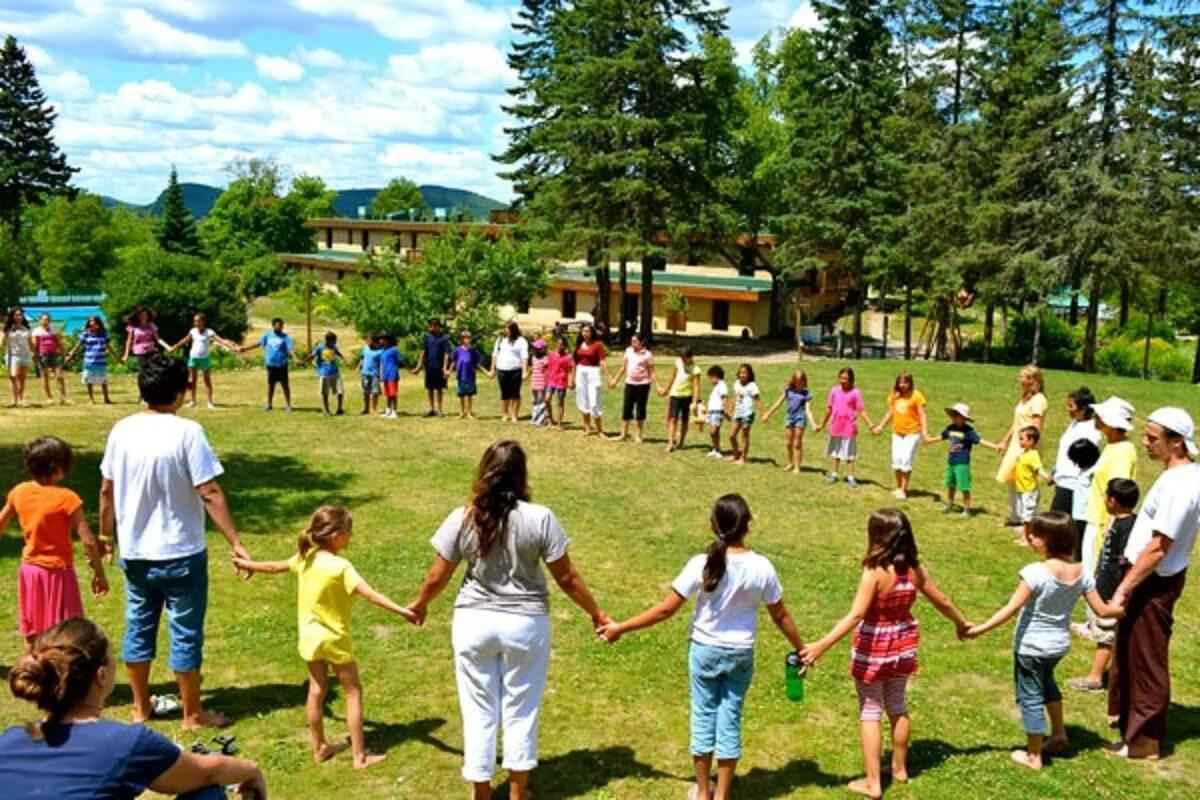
615	719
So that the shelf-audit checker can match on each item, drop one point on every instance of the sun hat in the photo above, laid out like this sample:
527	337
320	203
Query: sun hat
1177	421
539	344
1115	413
962	409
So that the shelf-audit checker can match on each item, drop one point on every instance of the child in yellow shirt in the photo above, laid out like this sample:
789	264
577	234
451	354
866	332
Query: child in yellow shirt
1026	472
327	584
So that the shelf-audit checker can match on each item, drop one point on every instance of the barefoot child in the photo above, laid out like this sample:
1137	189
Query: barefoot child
327	585
465	361
96	346
842	409
718	407
201	338
906	411
47	346
884	654
47	589
682	390
729	583
799	413
962	437
1120	500
559	367
746	399
1045	596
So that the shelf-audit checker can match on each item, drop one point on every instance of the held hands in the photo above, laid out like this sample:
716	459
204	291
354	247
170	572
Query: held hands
972	632
876	430
415	614
241	556
962	629
811	652
99	585
609	632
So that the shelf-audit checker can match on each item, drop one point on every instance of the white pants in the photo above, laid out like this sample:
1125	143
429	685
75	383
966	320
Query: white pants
500	663
904	451
587	391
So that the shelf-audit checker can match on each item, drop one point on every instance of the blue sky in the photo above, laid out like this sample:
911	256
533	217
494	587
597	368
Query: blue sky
356	92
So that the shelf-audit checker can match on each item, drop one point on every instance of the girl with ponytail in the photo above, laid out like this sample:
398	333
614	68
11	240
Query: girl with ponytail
73	752
729	582
884	654
327	584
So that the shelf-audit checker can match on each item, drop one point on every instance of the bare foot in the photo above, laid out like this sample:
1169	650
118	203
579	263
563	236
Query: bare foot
1055	745
206	719
328	751
367	760
861	787
788	468
1026	759
639	440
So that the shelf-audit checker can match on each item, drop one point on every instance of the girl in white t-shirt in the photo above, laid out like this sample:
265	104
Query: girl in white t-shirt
729	583
202	338
746	398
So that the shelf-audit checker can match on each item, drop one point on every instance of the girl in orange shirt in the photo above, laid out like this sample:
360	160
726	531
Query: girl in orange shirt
906	411
47	589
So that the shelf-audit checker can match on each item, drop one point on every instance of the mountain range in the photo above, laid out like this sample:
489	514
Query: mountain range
199	198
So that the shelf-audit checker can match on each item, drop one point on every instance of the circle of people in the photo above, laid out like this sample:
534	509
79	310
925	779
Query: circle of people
160	481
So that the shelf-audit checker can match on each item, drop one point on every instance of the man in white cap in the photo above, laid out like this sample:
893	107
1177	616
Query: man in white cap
1154	570
1118	459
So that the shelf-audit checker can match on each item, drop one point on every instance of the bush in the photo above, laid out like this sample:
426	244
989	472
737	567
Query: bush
1135	330
1124	357
176	287
1058	348
262	276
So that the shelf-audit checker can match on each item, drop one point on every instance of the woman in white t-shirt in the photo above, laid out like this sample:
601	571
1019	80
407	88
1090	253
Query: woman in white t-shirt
202	338
510	365
501	628
729	583
18	353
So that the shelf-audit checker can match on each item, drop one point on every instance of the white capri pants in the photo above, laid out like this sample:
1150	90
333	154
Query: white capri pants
500	664
587	391
1090	534
904	451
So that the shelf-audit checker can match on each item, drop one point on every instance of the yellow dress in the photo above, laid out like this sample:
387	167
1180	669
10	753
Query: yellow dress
1023	416
327	584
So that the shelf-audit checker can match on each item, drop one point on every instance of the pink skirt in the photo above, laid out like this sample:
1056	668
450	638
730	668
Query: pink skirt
45	597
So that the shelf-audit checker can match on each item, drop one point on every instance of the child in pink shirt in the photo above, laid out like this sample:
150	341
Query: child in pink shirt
539	364
558	378
842	410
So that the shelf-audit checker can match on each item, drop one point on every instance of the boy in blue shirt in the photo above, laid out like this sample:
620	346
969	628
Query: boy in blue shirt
962	437
435	357
326	356
278	348
390	362
368	370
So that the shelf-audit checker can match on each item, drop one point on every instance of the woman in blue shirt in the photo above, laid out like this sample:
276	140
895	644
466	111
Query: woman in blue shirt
73	753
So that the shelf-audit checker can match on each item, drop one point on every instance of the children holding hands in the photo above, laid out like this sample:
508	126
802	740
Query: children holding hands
842	409
962	437
799	415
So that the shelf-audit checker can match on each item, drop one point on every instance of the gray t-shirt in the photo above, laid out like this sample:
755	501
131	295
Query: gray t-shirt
1043	627
510	577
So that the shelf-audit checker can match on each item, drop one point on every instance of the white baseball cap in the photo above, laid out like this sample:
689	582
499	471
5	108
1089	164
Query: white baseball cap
1115	413
1177	421
962	409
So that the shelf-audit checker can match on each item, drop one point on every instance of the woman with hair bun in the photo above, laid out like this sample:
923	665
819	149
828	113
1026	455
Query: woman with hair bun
729	582
74	753
501	628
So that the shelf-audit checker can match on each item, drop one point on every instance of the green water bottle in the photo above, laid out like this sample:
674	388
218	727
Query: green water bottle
793	673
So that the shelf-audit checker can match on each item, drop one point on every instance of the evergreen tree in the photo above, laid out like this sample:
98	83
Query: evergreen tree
31	166
842	177
176	231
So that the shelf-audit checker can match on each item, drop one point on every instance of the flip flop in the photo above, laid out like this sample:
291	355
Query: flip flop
164	705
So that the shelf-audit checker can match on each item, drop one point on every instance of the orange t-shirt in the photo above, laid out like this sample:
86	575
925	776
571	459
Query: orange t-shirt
906	412
45	516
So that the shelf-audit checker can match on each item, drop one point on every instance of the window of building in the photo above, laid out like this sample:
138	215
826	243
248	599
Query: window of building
720	315
523	306
329	238
349	235
366	239
568	304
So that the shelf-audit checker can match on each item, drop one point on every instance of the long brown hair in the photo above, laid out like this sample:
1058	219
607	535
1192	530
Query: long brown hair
326	522
890	541
501	481
57	673
730	522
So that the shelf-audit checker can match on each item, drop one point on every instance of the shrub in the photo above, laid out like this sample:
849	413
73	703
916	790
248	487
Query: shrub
176	287
262	276
1124	357
1119	358
1135	330
1058	347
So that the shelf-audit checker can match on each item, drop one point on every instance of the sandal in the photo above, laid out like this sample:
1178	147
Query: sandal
164	705
1086	685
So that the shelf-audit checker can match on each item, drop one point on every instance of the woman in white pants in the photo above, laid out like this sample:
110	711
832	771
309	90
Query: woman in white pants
501	629
589	363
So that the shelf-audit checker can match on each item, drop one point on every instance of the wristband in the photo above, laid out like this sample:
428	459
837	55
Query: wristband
105	537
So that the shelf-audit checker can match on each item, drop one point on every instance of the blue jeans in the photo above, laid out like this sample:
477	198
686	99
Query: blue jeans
720	678
207	793
1033	677
181	585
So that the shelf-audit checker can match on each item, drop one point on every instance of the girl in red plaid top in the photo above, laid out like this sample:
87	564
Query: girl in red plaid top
884	654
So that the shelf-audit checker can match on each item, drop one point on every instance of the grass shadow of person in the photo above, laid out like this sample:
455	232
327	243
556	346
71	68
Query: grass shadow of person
249	701
580	773
386	735
766	783
929	754
1183	724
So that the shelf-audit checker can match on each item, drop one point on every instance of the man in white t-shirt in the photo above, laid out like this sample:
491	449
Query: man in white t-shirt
159	478
1155	562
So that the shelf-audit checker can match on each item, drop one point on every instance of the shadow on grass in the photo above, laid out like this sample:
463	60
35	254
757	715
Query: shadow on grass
386	735
580	773
928	754
767	783
1183	724
263	698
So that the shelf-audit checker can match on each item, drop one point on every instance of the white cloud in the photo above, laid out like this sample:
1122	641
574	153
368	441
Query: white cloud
456	65
322	58
151	36
805	18
279	69
417	20
69	85
38	56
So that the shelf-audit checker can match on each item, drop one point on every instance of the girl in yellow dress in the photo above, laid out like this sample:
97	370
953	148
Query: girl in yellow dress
1030	412
327	584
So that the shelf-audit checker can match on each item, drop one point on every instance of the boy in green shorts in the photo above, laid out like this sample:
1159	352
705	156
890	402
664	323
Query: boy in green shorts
962	437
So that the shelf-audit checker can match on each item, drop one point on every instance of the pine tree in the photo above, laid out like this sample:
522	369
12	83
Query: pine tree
31	166
176	231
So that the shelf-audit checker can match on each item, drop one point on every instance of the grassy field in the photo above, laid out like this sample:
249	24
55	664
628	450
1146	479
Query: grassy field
615	719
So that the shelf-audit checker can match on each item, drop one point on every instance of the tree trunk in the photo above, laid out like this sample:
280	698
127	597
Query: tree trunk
1196	363
603	284
1146	346
1076	285
623	284
989	328
1093	318
647	298
858	312
1125	295
908	323
1037	334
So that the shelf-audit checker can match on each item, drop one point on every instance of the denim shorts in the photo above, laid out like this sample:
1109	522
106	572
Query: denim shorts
716	419
1033	679
371	385
796	420
181	586
720	678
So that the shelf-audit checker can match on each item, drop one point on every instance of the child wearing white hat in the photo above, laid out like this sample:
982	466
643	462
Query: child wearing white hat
1118	459
962	437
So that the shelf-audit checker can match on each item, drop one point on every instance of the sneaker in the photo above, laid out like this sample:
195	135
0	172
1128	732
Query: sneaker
714	454
439	413
947	508
851	482
190	404
287	408
211	407
267	407
832	479
1086	685
966	513
898	494
430	413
